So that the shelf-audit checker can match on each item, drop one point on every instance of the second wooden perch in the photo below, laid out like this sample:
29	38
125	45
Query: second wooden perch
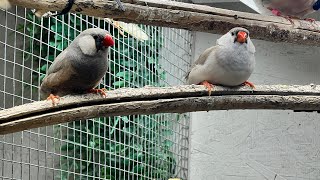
152	100
191	17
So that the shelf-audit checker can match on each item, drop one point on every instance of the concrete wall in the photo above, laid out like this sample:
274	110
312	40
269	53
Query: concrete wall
254	145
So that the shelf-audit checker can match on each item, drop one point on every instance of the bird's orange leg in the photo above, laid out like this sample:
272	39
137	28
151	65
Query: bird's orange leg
289	18
53	98
208	85
100	91
250	84
310	20
275	11
278	13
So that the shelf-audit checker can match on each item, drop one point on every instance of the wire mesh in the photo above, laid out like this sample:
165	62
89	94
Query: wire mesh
126	147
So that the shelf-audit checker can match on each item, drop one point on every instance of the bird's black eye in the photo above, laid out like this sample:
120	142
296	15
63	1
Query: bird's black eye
232	33
95	36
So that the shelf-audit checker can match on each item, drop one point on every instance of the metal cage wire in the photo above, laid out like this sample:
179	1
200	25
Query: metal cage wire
130	147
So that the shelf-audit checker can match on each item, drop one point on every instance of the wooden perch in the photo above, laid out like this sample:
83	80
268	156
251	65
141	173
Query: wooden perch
190	16
152	100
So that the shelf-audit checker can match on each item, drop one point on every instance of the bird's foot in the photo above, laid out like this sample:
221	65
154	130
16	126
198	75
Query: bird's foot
289	18
310	20
100	91
276	12
250	84
208	85
53	98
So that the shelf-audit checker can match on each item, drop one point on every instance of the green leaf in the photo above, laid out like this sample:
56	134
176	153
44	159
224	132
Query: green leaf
167	132
163	75
30	28
152	60
125	119
109	177
75	19
92	144
130	130
118	84
60	46
123	74
43	68
120	148
58	28
168	143
138	169
20	27
58	37
52	43
50	58
116	121
65	44
54	28
30	16
129	63
137	156
41	77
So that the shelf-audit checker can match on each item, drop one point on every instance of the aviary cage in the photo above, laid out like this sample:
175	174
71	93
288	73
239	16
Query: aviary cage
126	147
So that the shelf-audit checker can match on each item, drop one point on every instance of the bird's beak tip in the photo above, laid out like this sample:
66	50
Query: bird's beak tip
108	40
242	37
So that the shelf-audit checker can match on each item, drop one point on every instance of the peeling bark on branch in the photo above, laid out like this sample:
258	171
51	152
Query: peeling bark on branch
192	17
152	100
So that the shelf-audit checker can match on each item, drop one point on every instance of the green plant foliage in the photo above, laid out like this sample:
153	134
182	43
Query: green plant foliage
119	148
128	147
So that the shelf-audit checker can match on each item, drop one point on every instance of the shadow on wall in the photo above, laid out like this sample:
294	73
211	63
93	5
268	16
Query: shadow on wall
254	145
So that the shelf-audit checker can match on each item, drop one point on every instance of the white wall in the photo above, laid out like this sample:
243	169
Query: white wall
254	145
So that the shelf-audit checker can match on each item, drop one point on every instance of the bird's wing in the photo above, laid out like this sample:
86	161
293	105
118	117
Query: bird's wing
58	63
58	75
297	8
202	59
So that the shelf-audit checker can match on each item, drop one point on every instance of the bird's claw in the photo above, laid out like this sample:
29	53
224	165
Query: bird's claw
208	85
276	12
100	91
289	18
250	84
53	98
310	20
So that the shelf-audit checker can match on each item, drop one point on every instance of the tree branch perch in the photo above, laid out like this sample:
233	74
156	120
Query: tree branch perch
152	100
190	16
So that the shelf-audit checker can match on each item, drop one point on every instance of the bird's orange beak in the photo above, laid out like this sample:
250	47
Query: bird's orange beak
242	37
108	41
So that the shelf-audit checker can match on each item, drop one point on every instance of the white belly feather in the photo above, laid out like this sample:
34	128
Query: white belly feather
233	69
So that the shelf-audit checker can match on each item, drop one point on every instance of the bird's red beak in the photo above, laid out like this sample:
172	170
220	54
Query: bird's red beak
108	41
242	37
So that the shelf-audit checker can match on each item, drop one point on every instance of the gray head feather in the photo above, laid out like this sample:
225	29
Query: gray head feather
227	40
